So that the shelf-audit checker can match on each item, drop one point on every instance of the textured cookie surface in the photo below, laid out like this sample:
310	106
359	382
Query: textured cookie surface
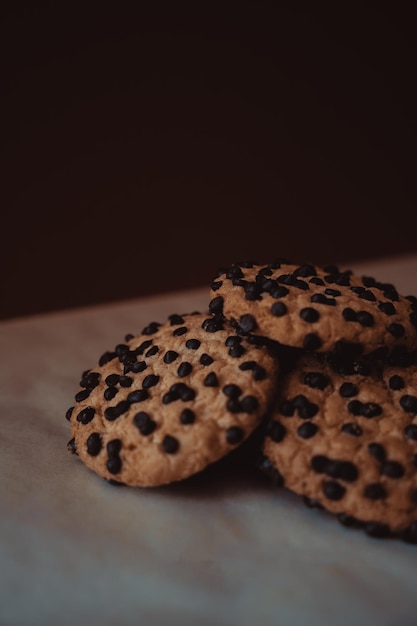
346	438
318	309
170	401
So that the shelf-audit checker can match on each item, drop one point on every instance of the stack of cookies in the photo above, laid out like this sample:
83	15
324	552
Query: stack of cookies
316	366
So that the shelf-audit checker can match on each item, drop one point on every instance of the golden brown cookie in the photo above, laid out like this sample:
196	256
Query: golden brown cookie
170	401
314	308
344	435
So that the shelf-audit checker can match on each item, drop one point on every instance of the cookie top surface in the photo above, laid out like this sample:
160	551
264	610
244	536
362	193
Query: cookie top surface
346	437
170	401
318	309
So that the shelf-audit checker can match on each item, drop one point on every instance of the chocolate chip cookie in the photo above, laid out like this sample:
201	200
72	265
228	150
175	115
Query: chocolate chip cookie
344	436
314	308
171	400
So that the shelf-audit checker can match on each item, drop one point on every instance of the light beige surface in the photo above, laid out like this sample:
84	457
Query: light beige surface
222	549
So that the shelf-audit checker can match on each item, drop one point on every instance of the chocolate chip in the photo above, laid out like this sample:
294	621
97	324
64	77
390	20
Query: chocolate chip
150	381
339	278
396	382
152	351
312	342
187	416
366	409
139	395
377	450
237	351
316	380
259	373
114	464
151	328
206	359
72	446
90	380
268	285
278	309
106	357
143	346
345	470
352	429
349	315
234	435
180	331
178	391
170	444
347	390
137	367
69	413
212	325
275	431
144	423
319	298
333	490
252	291
319	463
234	272
307	430
375	491
184	369
363	293
121	349
247	365
233	405
86	415
94	444
216	305
249	404
113	412
247	323
411	431
392	469
112	379
305	408
113	447
409	403
175	320
232	340
192	344
396	330
293	281
317	281
125	381
232	390
280	292
365	319
305	270
211	380
391	293
387	307
170	356
110	392
82	395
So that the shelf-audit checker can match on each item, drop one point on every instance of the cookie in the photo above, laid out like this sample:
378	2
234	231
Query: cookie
314	308
344	436
168	402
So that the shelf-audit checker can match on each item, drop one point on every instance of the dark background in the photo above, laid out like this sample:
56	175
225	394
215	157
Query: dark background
143	149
